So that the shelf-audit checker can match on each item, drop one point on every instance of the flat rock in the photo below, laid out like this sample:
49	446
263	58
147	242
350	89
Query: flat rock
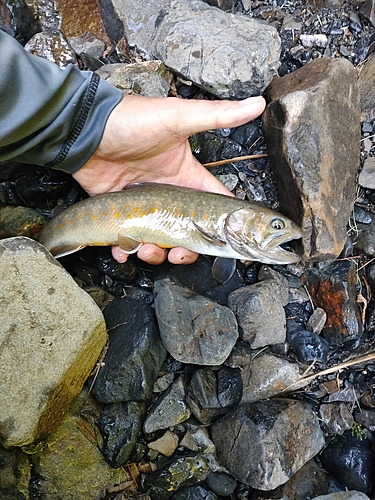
149	78
227	55
366	176
51	336
366	88
316	178
277	437
193	328
53	46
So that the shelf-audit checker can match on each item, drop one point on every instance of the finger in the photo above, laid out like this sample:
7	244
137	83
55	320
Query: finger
197	116
180	255
119	254
152	254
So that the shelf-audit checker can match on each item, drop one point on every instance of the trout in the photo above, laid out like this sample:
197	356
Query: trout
168	216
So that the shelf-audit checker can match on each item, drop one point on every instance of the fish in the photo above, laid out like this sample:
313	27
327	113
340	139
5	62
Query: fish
207	223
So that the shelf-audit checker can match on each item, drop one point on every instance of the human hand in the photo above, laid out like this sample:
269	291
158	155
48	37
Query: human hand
145	140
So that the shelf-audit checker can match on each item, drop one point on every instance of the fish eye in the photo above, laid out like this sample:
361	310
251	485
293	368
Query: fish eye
277	223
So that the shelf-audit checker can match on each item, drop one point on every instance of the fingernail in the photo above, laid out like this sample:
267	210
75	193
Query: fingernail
250	101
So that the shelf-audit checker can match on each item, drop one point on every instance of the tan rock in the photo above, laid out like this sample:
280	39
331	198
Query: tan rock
51	335
165	445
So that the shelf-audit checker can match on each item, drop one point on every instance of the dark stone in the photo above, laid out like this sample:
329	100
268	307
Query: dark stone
135	353
333	289
351	460
125	272
208	147
281	428
119	425
21	221
17	19
194	493
221	483
308	346
229	387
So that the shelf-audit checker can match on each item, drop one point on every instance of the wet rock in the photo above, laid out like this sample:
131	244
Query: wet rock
53	46
15	472
183	471
125	272
221	483
170	409
365	239
168	29
259	310
351	460
21	221
277	437
336	417
308	346
268	376
198	440
166	444
208	147
17	19
316	179
52	334
119	425
365	418
135	353
193	328
150	78
333	289
208	396
194	493
70	464
344	495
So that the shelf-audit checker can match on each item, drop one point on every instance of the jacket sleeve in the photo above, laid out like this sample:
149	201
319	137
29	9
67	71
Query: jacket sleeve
48	116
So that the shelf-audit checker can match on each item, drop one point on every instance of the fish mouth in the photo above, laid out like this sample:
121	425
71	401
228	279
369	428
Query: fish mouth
274	246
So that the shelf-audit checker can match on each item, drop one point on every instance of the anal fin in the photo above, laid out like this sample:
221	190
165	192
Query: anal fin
61	251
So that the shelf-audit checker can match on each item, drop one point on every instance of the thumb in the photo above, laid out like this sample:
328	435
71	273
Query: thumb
197	116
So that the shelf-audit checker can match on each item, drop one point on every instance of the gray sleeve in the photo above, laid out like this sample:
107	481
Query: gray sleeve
50	117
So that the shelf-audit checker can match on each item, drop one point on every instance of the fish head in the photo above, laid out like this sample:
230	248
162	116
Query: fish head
257	233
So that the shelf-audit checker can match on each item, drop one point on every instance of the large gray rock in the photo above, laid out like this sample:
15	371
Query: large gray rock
227	55
193	328
51	335
313	129
344	495
277	437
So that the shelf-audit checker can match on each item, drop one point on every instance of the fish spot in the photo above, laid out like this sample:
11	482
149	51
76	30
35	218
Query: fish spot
79	216
61	226
105	212
86	213
192	214
205	217
94	217
115	215
70	222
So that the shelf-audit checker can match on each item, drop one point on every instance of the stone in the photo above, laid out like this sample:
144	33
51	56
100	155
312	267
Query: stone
269	376
18	20
308	346
317	321
336	417
120	425
259	309
20	221
277	437
166	444
175	474
366	76
333	288
70	462
316	178
222	484
366	176
51	336
227	55
87	43
135	353
308	482
149	78
193	328
53	46
169	409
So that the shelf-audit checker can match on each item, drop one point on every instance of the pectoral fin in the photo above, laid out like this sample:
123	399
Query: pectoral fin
212	238
223	269
61	251
128	244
